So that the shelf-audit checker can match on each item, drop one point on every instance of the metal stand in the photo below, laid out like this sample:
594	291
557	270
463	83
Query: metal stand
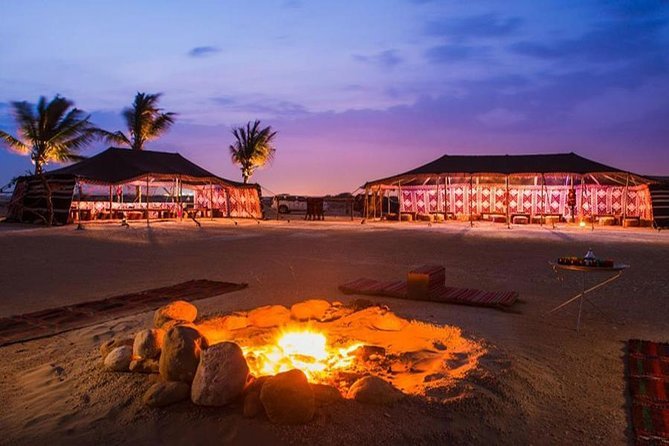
617	269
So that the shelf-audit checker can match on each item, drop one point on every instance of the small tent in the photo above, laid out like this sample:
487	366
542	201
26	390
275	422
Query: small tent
122	183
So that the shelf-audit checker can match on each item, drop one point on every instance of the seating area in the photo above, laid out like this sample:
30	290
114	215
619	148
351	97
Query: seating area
428	282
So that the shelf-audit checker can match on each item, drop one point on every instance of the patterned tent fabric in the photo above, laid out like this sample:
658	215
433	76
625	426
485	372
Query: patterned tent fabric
531	200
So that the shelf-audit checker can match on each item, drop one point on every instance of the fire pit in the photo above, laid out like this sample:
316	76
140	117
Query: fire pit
272	356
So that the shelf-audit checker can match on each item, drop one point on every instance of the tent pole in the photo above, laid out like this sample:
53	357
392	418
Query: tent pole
506	200
179	208
592	210
211	200
447	186
627	182
543	200
471	191
582	210
366	202
438	207
78	204
111	203
399	200
147	200
571	187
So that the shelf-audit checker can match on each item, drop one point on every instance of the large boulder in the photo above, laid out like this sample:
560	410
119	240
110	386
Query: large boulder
221	375
326	394
178	310
235	322
310	309
111	344
164	393
180	355
118	360
148	343
288	398
374	390
269	316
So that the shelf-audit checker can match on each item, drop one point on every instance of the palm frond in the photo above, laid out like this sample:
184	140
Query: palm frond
50	131
14	144
253	147
145	121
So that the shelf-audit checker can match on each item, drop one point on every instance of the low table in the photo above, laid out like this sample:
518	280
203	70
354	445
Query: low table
614	272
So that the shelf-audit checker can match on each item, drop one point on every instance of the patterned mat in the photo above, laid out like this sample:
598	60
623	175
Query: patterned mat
649	388
441	293
40	324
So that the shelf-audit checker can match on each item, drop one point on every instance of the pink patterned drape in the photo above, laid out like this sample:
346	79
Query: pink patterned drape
531	200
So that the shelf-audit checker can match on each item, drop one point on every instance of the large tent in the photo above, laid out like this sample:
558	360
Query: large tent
123	183
523	188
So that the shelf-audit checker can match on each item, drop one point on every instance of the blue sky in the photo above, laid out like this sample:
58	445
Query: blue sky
356	90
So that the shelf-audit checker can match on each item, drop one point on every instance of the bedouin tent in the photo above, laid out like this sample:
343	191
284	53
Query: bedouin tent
133	184
516	188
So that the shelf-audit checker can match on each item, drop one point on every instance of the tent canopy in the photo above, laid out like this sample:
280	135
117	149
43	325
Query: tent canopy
454	165
114	166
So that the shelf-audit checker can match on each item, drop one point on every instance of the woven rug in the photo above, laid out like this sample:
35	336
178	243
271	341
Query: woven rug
648	364
441	293
40	324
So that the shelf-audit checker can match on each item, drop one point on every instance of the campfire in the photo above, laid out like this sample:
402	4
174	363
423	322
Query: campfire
303	349
286	362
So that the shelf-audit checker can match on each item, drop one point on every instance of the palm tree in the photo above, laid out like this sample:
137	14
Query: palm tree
144	122
253	148
48	132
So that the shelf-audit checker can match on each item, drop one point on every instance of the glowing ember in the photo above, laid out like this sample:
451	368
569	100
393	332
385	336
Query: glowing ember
302	349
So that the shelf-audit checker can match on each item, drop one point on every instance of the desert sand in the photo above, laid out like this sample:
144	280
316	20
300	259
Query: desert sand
538	383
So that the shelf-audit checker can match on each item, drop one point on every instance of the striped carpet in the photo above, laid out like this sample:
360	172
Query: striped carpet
44	323
649	388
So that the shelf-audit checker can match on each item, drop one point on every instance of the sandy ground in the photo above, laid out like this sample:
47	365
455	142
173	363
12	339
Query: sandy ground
540	382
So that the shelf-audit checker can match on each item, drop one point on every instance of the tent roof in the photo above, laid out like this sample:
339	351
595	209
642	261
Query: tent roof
115	166
565	163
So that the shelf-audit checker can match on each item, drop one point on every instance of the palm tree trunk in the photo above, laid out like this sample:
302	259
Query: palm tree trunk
49	201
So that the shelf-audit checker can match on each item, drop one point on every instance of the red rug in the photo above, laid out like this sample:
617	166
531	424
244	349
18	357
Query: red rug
649	388
40	324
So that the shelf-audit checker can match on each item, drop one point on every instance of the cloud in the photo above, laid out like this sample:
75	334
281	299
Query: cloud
203	51
292	4
611	41
262	107
384	59
478	26
6	119
456	53
501	117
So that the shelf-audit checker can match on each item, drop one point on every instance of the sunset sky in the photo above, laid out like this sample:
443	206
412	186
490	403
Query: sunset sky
356	90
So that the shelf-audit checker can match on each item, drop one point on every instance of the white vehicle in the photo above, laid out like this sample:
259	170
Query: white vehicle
286	203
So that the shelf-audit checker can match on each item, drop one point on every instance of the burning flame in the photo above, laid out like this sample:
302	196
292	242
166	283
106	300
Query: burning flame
302	349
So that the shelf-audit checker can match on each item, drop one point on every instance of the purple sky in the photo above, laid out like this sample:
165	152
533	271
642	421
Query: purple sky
356	90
